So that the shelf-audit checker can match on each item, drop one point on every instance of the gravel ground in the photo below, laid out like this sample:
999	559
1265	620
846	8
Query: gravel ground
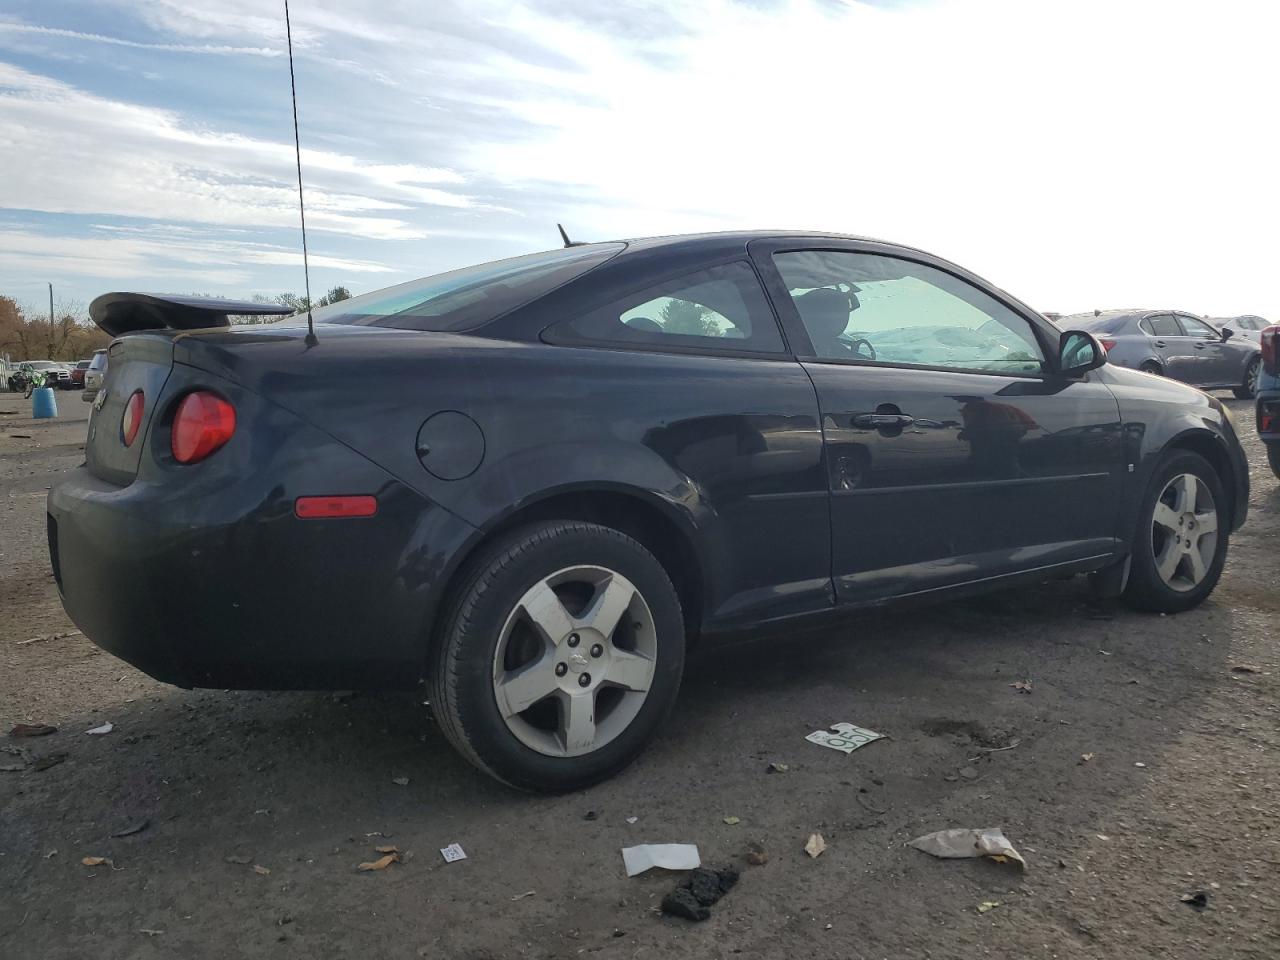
257	807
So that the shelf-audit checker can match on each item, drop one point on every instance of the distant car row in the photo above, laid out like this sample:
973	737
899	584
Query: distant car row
1218	354
84	374
1241	354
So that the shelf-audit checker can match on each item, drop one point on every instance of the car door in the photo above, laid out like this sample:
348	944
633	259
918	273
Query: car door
1211	364
694	368
954	453
1167	343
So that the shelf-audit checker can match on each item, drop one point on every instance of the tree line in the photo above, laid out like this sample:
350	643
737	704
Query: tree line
26	333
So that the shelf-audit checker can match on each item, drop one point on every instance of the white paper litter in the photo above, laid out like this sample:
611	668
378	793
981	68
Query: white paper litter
961	842
105	728
846	738
668	856
452	852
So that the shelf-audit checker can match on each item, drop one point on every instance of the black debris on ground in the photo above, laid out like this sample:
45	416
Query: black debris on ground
698	891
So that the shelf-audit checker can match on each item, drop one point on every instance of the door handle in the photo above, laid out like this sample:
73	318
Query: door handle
1161	344
882	420
1200	346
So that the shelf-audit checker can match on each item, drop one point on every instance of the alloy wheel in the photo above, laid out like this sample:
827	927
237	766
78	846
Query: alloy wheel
1184	532
574	661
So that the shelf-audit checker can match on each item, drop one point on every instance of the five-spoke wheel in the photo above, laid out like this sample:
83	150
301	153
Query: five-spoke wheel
560	656
1180	544
574	661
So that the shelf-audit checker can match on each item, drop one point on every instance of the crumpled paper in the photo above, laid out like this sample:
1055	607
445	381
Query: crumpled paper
668	856
961	842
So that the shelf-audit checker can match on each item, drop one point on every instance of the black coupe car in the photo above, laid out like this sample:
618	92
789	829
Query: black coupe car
556	473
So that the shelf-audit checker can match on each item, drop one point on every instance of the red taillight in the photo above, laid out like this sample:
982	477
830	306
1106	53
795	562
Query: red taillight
1107	345
315	508
132	418
203	423
1270	344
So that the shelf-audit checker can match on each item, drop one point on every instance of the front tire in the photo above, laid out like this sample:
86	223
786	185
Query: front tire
1249	388
560	658
1180	542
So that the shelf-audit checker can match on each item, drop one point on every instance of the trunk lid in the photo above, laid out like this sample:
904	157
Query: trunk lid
136	362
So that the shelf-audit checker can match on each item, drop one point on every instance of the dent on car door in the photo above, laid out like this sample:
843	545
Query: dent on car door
954	454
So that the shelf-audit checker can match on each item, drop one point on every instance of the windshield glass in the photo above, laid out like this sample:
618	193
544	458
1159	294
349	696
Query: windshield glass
463	299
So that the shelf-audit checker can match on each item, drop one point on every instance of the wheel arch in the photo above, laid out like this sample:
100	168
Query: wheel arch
647	519
1208	445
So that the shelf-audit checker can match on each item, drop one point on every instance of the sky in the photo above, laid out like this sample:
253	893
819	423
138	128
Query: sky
1084	154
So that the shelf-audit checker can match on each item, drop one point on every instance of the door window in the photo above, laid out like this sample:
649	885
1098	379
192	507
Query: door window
718	309
878	309
1198	328
1162	325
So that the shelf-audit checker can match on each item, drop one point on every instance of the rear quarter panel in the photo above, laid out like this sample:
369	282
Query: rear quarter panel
729	449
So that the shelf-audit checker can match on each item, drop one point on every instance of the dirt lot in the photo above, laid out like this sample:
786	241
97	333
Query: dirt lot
1179	796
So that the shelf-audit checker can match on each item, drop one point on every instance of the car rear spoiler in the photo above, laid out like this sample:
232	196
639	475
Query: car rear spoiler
121	313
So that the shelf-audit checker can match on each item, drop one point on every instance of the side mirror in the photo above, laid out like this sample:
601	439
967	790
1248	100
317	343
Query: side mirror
1227	334
1079	352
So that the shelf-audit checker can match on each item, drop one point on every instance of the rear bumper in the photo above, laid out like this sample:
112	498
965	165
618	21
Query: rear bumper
202	576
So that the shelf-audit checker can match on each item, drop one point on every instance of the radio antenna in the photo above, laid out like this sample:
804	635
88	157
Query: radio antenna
297	152
565	237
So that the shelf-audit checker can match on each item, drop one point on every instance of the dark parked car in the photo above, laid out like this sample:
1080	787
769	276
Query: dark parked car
559	471
1268	403
78	372
1177	345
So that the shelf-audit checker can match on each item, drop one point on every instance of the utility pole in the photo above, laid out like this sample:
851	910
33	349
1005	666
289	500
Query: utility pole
51	305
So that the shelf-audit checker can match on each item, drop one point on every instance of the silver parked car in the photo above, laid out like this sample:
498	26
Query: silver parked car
1177	345
93	376
1248	326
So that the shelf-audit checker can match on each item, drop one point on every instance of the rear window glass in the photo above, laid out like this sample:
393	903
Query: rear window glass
1163	325
715	310
463	299
1087	321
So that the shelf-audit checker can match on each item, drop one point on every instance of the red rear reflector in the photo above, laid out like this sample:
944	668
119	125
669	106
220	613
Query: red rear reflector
1270	359
1107	345
132	418
203	423
314	508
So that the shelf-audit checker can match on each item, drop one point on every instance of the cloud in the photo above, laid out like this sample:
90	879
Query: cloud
1081	154
186	255
125	159
215	49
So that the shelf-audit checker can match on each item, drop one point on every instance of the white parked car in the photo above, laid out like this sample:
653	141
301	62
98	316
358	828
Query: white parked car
93	376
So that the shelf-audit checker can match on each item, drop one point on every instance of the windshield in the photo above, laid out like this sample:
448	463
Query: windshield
463	299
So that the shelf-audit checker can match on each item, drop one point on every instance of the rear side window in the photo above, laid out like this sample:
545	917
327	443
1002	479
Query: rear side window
1162	325
717	309
464	299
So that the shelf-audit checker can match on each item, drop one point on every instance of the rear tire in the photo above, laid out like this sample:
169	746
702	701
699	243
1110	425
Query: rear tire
1152	367
560	658
1273	457
1180	538
1249	388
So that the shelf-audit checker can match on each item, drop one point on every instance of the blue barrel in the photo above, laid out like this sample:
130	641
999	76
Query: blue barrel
43	403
